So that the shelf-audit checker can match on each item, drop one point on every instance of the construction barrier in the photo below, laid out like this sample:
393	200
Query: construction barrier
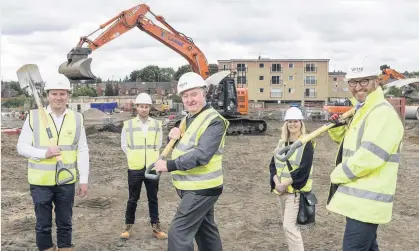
400	105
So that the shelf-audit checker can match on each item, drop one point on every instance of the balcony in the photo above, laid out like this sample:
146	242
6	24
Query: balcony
310	81
276	69
310	93
241	69
276	81
310	69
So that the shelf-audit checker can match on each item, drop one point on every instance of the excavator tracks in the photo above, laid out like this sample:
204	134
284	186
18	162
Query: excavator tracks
238	126
245	126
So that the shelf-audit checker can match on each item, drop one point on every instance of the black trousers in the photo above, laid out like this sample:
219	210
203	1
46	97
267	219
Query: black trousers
360	236
135	182
63	198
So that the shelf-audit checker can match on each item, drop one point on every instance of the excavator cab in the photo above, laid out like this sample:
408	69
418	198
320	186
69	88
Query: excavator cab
77	66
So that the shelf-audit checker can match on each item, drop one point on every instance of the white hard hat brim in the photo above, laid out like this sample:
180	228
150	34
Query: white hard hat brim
362	75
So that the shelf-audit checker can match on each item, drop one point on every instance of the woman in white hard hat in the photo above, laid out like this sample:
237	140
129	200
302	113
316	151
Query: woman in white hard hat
292	176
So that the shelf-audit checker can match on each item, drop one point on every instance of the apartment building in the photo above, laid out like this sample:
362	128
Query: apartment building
338	88
281	80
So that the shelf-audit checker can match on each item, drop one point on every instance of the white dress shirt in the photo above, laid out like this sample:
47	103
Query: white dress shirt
144	129
25	147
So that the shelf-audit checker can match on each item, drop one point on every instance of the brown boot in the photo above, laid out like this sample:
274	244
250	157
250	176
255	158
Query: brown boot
127	231
157	232
65	249
51	249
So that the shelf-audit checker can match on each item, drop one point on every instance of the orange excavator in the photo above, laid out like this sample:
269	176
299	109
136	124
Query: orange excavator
230	101
385	76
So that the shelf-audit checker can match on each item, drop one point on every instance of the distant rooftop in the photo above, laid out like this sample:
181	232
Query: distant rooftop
274	60
337	73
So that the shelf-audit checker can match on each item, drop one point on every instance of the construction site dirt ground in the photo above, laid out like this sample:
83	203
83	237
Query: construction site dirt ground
247	213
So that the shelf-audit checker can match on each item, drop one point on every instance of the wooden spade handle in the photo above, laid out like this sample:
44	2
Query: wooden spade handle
291	148
165	153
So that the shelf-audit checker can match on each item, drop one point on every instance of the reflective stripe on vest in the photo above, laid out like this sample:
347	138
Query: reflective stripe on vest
374	149
143	149
200	177
191	144
131	131
43	172
295	161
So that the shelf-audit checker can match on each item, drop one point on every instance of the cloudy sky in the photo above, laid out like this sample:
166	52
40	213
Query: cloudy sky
43	32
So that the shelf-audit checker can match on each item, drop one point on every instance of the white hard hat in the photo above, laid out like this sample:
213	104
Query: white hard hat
60	85
293	113
362	68
189	81
143	98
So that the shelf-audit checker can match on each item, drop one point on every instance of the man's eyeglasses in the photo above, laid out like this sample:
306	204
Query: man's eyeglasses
364	82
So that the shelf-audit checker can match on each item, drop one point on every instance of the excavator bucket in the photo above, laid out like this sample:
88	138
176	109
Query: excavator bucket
77	66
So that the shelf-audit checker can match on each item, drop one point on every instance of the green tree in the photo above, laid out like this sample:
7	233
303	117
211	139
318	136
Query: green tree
384	66
134	75
213	68
393	91
85	91
182	70
166	74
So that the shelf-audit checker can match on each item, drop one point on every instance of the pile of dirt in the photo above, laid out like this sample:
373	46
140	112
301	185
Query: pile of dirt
8	145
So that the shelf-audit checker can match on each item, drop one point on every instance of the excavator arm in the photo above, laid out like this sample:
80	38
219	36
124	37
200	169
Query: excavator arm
390	73
77	66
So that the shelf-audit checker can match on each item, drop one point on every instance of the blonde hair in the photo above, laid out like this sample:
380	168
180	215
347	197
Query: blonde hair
285	134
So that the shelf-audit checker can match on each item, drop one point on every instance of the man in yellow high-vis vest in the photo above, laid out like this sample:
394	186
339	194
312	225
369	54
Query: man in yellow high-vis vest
68	131
196	169
364	180
141	140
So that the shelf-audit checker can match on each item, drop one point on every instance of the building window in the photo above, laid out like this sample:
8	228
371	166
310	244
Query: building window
310	67
335	79
241	67
290	90
345	89
261	65
276	93
225	67
310	80
291	65
290	77
276	80
260	90
310	93
260	77
241	80
276	68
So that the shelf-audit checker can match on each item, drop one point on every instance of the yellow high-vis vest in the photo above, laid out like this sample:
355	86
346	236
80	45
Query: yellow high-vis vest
200	177
43	172
367	175
284	173
143	150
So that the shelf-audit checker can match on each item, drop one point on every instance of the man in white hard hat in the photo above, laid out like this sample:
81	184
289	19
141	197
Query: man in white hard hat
141	140
196	169
365	177
68	131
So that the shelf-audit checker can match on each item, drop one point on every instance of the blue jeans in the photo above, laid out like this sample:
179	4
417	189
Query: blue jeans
63	198
360	236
